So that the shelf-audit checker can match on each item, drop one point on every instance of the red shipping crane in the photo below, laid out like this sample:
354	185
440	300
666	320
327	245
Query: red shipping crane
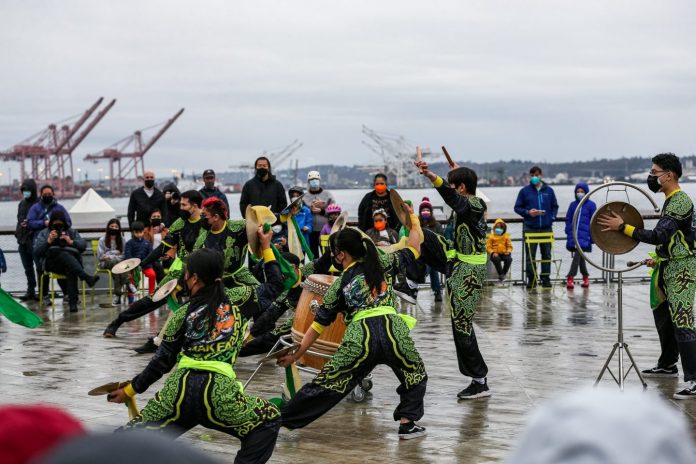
49	151
123	163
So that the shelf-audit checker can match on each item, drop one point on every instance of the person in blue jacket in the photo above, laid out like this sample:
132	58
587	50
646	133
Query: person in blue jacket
303	216
583	231
537	205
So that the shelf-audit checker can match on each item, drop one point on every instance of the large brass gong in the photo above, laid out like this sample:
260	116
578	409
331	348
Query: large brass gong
615	242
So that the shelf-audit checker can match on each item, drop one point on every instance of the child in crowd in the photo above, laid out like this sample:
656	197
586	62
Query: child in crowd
138	247
380	233
499	247
332	213
583	232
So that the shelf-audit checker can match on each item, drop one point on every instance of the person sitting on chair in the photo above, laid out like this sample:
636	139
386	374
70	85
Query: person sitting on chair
110	253
59	248
499	248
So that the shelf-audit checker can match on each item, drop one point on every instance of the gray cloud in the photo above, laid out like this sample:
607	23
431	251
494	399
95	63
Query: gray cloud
537	79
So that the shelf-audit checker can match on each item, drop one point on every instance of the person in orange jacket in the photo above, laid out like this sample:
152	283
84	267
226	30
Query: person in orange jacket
499	248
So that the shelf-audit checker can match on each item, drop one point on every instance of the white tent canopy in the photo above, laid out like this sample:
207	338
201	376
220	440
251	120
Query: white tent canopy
91	209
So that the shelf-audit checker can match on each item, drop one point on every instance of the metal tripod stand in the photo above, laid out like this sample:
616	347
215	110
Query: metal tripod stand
620	346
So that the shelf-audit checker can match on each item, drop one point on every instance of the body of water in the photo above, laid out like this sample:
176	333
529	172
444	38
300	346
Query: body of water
502	200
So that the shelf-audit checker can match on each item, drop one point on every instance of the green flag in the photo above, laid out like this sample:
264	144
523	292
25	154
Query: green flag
285	269
17	313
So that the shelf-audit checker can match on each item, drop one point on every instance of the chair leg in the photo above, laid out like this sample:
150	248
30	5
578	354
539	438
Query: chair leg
41	284
53	293
111	287
84	295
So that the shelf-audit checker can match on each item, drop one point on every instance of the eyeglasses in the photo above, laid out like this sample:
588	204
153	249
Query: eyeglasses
654	173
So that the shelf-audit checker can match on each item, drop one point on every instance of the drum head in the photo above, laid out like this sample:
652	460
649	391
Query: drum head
126	265
318	283
612	241
164	291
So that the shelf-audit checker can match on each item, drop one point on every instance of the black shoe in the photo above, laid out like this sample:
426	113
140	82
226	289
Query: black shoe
73	307
110	331
474	390
28	296
411	430
91	280
438	297
661	372
546	283
687	393
530	284
148	347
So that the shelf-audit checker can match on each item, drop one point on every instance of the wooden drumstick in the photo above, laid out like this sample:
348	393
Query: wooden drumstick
419	155
449	158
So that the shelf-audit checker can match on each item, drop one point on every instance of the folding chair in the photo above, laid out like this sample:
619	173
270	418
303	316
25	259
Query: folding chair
52	277
97	270
541	238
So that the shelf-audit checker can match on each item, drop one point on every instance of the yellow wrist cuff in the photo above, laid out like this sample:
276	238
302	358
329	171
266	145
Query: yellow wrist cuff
415	252
317	327
128	390
628	230
268	255
438	182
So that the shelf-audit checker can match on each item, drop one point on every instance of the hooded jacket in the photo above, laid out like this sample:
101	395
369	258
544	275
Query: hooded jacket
269	193
531	198
170	213
501	244
40	213
215	192
584	218
22	232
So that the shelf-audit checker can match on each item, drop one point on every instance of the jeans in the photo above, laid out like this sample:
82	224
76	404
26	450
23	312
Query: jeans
434	279
26	254
545	255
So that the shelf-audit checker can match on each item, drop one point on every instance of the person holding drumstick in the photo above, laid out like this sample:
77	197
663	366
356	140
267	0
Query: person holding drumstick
674	277
204	337
375	334
466	269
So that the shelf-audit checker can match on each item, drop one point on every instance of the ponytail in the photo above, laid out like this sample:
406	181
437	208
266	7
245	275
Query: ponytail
208	265
361	247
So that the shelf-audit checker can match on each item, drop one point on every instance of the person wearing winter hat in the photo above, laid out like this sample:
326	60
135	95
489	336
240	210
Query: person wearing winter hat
30	432
428	221
499	247
317	199
381	234
332	213
583	233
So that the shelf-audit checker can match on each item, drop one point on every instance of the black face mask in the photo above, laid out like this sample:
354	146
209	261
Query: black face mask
113	232
47	199
185	215
210	185
205	224
149	183
58	227
653	183
261	173
155	222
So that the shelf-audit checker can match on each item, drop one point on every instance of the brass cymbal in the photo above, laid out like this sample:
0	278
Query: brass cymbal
612	241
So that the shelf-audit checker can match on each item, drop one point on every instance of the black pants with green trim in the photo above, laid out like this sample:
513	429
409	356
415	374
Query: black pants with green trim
674	317
366	343
190	397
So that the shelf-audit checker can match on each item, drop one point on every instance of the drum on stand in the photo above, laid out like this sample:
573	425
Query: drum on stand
314	288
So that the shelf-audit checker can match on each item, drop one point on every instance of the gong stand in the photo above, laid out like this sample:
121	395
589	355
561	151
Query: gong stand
614	243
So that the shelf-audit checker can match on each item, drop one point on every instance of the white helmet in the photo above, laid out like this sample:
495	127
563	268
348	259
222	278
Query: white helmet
313	175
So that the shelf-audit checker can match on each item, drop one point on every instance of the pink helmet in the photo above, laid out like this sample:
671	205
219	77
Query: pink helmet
333	208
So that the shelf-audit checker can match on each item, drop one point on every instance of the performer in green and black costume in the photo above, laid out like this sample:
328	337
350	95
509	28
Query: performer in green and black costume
375	334
264	332
466	270
182	236
204	337
674	274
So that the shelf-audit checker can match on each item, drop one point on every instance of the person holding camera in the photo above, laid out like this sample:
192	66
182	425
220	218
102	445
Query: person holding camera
59	249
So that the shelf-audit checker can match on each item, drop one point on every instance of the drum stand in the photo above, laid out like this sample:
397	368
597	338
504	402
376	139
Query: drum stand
620	345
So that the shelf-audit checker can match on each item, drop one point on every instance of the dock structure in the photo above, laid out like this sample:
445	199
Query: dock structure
538	344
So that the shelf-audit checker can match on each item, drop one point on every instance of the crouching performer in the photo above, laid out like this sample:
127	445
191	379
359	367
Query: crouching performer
206	333
375	334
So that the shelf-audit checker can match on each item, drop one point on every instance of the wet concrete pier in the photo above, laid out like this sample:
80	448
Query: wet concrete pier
537	344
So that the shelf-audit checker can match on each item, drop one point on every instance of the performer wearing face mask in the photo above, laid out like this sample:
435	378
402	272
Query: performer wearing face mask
263	189
203	338
378	198
583	233
145	199
181	238
674	276
499	246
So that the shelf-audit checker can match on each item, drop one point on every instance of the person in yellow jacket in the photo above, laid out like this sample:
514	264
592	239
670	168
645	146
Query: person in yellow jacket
499	248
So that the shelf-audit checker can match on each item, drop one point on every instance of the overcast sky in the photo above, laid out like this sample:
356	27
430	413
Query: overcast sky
538	80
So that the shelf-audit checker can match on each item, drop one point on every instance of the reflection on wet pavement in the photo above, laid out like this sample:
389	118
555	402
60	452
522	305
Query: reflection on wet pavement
537	344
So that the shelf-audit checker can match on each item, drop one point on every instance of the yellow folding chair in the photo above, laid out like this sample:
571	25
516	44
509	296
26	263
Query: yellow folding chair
541	238
324	243
52	277
97	270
